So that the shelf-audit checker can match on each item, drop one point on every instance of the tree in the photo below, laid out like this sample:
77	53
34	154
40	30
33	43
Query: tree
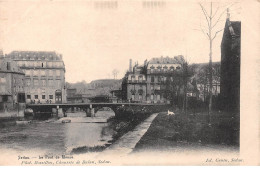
115	72
212	21
177	81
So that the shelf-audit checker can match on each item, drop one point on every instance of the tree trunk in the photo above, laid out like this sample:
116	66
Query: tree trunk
210	68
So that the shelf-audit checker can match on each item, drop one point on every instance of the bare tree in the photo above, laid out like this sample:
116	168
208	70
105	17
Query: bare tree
213	18
115	72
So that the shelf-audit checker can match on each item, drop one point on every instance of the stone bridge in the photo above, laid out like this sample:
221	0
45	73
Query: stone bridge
89	107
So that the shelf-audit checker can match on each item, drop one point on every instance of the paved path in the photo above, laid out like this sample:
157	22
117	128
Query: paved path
127	142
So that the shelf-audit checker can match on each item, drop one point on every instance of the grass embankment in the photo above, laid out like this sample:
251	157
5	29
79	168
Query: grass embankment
126	120
129	117
179	130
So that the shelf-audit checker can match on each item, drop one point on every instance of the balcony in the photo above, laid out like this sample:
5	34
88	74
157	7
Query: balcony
136	81
163	72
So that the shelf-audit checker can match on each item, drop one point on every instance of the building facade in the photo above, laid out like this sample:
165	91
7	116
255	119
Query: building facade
44	75
147	83
230	65
159	70
12	90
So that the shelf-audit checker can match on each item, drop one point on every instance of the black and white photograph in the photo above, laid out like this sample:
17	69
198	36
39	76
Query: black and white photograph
128	82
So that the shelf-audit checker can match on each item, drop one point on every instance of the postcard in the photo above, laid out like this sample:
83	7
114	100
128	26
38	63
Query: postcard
129	82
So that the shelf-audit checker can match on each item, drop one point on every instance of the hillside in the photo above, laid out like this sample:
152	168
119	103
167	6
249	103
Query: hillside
96	87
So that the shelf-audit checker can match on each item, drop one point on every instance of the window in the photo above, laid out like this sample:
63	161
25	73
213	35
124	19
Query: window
5	98
27	72
152	97
159	79
158	97
50	83
50	96
36	82
140	97
35	72
43	72
36	96
133	97
28	82
8	66
43	82
28	96
57	72
39	64
50	64
58	83
140	78
132	78
59	64
43	96
2	80
50	73
21	97
152	79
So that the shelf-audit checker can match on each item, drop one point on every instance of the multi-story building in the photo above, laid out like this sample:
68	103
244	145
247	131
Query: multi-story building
44	75
158	71
12	93
147	83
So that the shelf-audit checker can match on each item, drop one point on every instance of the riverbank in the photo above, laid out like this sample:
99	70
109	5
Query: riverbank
127	119
125	144
7	121
191	132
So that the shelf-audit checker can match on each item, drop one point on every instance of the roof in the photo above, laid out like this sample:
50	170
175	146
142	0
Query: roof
162	60
236	25
38	54
168	60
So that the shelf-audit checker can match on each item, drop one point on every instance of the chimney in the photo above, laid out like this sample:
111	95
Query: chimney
130	65
228	14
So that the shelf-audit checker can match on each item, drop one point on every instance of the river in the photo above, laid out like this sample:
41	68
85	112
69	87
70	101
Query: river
55	138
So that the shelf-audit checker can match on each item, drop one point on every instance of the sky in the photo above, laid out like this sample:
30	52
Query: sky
95	40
